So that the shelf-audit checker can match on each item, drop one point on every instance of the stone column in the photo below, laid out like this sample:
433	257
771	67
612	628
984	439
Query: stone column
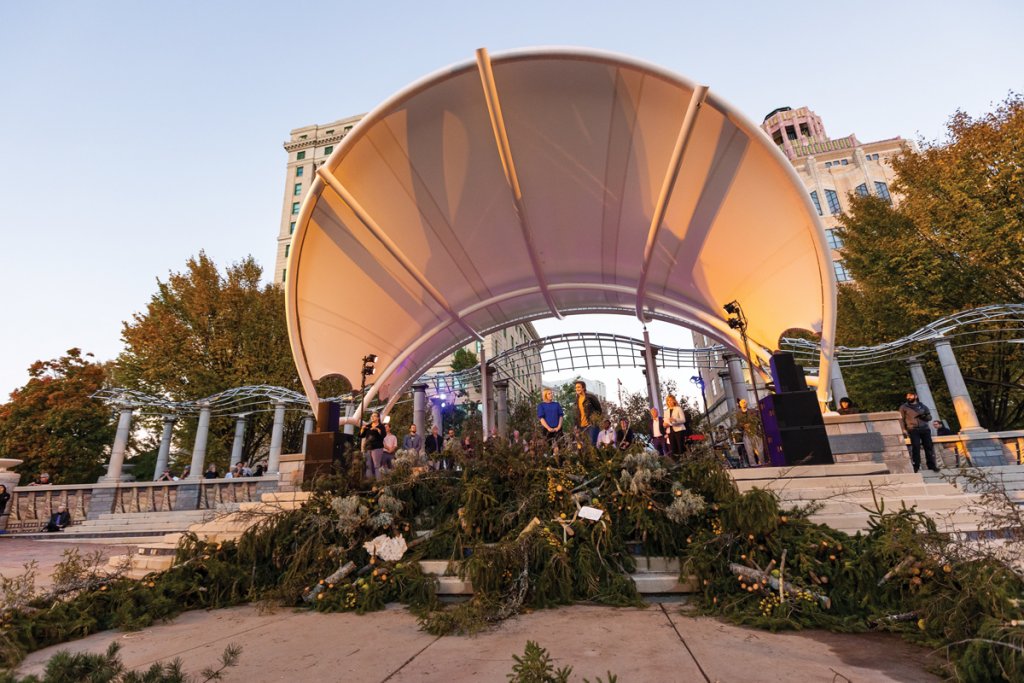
653	386
501	407
276	440
739	382
239	441
730	396
436	415
419	409
957	388
350	429
307	428
199	449
838	385
164	454
485	392
124	430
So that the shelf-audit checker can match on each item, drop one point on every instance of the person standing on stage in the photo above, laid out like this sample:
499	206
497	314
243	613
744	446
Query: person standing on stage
550	415
658	433
588	412
675	425
749	423
373	432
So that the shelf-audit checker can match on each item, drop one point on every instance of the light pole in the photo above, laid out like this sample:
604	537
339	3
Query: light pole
699	381
368	369
738	321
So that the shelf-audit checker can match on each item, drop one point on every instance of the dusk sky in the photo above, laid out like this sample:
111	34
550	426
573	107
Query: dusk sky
135	134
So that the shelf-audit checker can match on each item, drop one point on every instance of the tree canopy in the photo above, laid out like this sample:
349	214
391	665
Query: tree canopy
54	425
204	332
954	242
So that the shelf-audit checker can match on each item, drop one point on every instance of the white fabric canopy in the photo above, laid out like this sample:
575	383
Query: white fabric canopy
540	183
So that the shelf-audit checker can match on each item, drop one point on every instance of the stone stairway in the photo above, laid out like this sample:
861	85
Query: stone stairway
845	494
157	554
135	527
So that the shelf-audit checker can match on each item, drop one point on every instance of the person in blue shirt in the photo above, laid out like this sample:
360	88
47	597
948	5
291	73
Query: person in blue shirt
550	414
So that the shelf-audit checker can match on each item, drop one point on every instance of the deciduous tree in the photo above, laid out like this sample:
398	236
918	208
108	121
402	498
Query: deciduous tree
955	242
203	332
54	424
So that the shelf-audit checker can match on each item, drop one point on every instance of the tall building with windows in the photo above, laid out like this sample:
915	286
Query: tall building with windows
308	148
832	170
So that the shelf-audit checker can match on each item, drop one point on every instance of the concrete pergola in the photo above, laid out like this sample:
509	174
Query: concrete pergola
239	403
548	183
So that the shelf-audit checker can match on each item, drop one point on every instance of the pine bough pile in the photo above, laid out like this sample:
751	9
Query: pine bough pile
510	523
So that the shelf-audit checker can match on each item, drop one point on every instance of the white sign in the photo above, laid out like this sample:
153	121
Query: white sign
593	514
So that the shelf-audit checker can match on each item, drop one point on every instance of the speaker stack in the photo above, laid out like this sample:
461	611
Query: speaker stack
326	447
793	427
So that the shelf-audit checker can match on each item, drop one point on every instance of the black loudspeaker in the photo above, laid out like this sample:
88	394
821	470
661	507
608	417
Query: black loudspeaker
787	375
323	450
328	414
794	430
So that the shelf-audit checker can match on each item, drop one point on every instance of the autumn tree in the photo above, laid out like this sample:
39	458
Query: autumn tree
955	242
203	332
54	425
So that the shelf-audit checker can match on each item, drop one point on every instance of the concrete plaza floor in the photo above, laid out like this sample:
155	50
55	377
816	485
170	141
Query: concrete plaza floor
659	643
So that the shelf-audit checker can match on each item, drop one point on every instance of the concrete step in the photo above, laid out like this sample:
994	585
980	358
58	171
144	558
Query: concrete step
857	482
850	469
858	493
928	504
163	514
654	575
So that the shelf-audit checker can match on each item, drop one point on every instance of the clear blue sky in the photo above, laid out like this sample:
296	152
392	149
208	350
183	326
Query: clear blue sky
134	134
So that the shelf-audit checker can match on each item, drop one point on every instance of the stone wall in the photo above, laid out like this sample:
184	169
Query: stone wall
868	437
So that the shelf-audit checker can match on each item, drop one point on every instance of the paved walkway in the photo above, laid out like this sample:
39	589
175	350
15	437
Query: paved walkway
15	553
659	643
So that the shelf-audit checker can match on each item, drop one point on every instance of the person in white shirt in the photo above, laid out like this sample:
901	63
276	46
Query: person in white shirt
675	423
658	433
606	437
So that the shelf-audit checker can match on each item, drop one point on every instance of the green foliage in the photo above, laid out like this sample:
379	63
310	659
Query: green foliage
54	425
204	332
955	242
463	359
535	666
108	668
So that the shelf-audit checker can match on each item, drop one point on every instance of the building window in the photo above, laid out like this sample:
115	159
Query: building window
300	155
295	208
862	190
842	274
299	171
817	203
303	137
291	228
284	274
845	162
833	202
328	150
828	164
330	132
297	190
833	239
287	250
882	190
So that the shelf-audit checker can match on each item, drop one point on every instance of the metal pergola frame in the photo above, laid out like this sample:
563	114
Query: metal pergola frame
962	329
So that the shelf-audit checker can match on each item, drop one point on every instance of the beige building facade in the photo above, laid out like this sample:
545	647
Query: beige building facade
308	148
